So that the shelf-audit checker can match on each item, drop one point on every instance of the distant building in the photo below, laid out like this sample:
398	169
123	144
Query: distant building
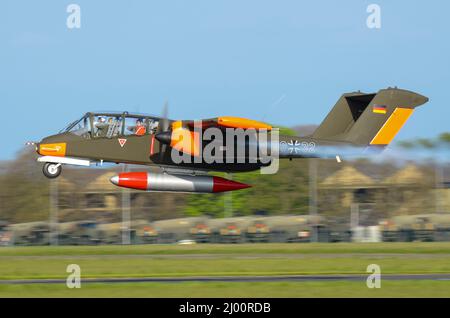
409	190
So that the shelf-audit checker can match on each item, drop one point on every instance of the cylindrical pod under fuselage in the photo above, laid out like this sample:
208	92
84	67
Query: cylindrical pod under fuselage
175	182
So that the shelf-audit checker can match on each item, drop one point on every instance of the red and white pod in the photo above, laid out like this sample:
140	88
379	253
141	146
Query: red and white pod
175	183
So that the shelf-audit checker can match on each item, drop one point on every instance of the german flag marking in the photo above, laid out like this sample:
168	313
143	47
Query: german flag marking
379	109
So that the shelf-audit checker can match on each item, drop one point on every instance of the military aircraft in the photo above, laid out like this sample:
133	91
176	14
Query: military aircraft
361	121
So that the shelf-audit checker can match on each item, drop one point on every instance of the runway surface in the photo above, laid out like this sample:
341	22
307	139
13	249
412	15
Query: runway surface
292	278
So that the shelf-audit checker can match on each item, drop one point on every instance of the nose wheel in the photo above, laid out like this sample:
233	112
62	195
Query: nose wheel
52	170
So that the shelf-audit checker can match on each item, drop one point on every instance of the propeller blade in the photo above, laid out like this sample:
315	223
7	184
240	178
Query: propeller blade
164	127
164	119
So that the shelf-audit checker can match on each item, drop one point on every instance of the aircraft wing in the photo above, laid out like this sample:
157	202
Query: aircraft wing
228	122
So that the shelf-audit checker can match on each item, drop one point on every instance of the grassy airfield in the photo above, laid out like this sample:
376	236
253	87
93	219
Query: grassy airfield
226	260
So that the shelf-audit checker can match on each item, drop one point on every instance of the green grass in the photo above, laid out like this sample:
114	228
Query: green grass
316	248
25	268
222	260
213	289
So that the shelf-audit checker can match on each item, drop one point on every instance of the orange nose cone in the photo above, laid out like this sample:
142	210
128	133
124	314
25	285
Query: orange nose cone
54	149
222	185
131	180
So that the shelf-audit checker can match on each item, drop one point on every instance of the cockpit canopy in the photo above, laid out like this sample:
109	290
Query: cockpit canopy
110	125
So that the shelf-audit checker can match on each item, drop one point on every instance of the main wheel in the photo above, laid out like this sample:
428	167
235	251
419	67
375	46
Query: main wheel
52	170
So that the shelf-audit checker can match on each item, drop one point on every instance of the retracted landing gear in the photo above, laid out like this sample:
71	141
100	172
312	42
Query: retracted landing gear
52	170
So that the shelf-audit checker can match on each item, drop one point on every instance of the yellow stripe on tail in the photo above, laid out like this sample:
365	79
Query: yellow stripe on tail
392	126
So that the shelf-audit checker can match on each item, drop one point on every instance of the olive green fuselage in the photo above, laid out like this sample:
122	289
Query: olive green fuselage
145	150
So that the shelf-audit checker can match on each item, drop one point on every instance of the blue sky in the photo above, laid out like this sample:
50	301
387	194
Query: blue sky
210	58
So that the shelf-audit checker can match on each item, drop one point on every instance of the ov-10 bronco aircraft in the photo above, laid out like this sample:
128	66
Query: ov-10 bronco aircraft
187	150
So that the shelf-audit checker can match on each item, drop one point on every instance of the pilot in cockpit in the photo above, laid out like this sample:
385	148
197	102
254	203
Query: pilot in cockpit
153	126
102	127
139	128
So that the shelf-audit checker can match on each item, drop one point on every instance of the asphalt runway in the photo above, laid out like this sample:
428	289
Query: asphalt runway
294	278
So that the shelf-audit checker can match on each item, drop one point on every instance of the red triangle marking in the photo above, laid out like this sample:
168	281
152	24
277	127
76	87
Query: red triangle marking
122	142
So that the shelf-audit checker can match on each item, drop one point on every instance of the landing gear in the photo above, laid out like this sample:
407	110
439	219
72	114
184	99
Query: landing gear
52	170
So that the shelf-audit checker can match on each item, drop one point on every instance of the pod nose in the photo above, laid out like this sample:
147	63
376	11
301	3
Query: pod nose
115	180
132	180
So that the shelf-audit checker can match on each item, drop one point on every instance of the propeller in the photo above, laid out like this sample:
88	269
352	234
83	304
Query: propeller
164	115
163	134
